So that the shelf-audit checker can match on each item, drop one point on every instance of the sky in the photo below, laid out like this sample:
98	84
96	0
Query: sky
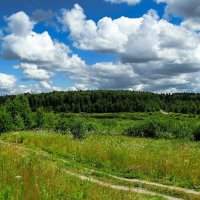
139	45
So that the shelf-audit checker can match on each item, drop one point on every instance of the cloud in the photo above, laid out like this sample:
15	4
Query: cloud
40	55
153	54
152	77
1	34
129	2
192	24
182	8
20	24
32	71
77	87
7	83
134	40
105	36
40	15
108	75
188	10
34	88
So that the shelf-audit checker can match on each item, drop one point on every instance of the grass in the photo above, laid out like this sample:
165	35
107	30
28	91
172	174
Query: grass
26	175
117	123
172	162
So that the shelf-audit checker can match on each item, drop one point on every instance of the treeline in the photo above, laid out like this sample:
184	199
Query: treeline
109	101
48	111
16	115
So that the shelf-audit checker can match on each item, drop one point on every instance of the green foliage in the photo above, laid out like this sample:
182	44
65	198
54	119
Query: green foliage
48	111
39	117
6	121
78	129
148	130
62	125
135	131
168	129
197	134
19	106
50	121
103	102
19	123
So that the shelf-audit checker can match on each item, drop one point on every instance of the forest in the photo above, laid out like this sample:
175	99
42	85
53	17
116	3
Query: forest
103	111
107	101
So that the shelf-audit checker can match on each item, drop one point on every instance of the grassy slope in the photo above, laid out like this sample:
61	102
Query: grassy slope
25	175
170	162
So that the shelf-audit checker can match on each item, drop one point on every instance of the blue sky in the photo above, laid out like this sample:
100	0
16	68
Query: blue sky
145	45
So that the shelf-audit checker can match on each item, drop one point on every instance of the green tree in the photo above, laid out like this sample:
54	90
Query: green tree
19	123
6	121
39	117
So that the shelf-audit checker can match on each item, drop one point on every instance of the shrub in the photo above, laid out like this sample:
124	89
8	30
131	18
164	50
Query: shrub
62	125
151	129
78	129
135	131
91	127
196	134
181	130
164	135
50	121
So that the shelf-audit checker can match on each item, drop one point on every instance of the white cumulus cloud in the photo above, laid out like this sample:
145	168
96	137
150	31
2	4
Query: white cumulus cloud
40	55
129	2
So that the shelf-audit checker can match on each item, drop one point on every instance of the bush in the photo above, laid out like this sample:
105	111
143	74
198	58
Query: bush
91	127
78	129
62	125
164	135
164	129
50	121
147	130
181	130
151	129
196	134
135	131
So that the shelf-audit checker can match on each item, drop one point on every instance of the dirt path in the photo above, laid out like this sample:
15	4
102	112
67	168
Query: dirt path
175	188
119	187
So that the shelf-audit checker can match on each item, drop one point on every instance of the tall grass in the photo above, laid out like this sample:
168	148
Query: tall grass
27	176
168	161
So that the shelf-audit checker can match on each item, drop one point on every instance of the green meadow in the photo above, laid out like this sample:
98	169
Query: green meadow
33	163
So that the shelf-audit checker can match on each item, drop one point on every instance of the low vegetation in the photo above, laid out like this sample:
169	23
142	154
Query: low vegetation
172	162
158	143
25	175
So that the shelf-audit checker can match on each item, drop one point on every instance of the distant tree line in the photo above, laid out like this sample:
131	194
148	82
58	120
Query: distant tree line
47	111
104	101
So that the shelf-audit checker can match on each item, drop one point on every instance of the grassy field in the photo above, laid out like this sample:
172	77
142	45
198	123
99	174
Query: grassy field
26	175
166	161
32	167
